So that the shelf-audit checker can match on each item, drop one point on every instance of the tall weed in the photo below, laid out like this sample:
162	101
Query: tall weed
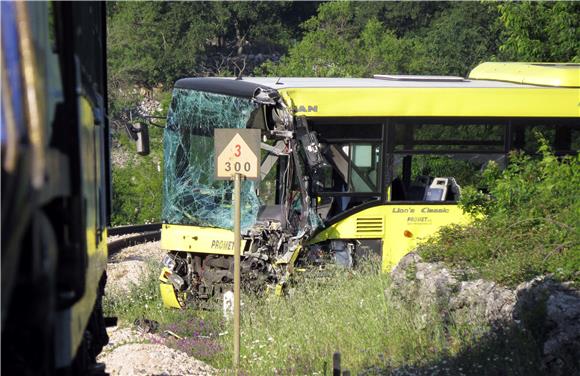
352	312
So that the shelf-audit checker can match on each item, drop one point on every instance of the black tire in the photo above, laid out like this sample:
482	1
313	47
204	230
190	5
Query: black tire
28	336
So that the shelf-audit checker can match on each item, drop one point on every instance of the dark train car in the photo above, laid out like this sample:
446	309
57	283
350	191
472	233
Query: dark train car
55	187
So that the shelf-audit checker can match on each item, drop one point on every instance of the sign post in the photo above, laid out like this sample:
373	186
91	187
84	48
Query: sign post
237	154
237	236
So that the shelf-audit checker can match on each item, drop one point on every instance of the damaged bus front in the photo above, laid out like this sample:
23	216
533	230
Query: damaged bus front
197	209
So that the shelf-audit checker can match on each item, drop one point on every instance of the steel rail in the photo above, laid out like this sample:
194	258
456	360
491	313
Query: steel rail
140	234
131	229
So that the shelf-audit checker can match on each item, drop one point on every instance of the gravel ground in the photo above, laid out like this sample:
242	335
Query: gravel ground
129	351
127	267
146	251
148	359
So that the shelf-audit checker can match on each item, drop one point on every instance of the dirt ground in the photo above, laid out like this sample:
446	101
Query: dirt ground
131	352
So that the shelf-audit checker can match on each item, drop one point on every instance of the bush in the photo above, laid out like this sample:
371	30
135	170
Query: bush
138	185
137	193
527	226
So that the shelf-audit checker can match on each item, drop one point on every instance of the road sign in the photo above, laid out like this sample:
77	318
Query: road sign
237	155
237	151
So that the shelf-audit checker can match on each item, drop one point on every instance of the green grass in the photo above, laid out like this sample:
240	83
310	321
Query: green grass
143	301
342	311
353	312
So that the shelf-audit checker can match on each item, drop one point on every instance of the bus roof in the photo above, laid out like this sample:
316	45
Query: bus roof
492	90
227	85
543	74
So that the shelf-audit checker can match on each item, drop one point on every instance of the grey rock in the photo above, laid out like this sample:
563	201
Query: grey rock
408	261
427	283
488	299
549	310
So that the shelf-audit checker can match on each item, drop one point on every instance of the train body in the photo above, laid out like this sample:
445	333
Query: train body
55	187
351	168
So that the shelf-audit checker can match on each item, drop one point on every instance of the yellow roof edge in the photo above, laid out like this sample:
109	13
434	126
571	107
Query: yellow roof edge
433	102
542	74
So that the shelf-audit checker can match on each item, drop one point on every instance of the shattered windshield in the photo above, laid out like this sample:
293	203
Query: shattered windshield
191	195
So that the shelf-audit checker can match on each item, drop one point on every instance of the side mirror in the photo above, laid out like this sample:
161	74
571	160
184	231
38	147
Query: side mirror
139	132
142	141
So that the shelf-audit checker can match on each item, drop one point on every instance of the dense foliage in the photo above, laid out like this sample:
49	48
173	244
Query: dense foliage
153	43
137	184
528	226
540	31
359	39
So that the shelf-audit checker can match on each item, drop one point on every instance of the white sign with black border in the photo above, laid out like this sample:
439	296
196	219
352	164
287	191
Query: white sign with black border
237	151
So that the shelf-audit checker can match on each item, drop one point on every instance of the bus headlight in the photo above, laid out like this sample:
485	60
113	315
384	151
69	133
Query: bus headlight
169	262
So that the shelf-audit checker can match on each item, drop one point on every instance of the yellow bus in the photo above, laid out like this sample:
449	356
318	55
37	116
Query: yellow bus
351	167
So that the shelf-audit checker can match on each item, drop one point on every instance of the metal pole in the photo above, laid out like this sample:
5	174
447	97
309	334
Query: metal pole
237	220
336	364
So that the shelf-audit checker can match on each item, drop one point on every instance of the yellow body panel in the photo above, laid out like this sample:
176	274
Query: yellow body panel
447	102
545	74
168	296
96	243
198	239
390	222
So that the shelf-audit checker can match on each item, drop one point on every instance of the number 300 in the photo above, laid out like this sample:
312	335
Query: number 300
238	167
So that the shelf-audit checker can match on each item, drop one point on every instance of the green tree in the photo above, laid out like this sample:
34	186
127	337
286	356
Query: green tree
137	186
459	38
344	39
361	39
151	42
540	31
158	42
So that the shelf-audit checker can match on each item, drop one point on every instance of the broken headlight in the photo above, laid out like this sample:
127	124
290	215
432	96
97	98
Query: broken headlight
169	262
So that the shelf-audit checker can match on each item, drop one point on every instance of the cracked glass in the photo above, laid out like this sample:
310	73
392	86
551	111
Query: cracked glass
191	195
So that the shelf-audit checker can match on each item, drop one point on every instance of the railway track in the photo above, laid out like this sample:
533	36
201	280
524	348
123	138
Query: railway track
132	235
